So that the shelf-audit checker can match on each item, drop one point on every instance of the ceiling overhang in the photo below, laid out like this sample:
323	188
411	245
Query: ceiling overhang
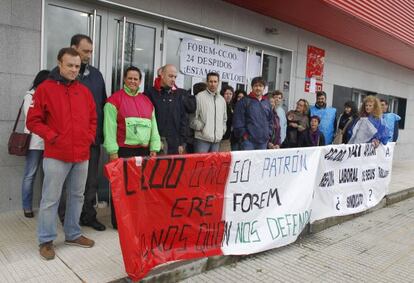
329	21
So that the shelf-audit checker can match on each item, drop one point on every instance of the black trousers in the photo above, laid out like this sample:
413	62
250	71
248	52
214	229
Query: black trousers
88	214
88	210
125	152
170	145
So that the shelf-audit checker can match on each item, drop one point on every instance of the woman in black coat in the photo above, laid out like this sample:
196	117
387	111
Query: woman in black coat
312	136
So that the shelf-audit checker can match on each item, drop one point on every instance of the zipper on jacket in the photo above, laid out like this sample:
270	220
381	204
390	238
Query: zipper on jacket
215	117
71	121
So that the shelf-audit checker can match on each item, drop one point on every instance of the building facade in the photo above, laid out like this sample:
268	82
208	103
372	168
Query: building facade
149	34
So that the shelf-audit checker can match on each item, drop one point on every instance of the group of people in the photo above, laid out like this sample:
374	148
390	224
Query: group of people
69	116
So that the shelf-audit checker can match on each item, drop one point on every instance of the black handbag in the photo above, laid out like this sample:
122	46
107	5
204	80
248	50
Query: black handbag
19	142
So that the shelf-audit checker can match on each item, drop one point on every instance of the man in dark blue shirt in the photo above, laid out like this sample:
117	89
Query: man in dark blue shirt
92	78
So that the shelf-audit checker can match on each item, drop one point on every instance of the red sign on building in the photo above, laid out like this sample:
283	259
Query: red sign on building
314	68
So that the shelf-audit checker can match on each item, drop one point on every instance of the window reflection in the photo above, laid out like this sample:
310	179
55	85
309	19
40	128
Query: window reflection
58	33
139	52
269	71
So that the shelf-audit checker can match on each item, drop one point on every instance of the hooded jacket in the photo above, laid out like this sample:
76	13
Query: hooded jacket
63	114
253	119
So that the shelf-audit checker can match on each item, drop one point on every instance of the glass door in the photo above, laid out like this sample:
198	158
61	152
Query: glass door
269	71
253	59
134	42
62	21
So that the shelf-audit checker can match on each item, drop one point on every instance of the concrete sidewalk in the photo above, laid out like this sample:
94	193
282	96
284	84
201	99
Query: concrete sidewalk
376	247
20	261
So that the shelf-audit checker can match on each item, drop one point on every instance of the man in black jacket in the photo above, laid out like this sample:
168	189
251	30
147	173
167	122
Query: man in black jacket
171	107
92	78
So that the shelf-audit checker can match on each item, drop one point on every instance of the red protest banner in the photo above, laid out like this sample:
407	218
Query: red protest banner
168	208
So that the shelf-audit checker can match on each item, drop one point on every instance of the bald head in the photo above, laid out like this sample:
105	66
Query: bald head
168	76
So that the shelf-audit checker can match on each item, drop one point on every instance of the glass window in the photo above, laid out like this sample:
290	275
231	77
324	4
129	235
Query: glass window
58	33
269	71
139	52
172	50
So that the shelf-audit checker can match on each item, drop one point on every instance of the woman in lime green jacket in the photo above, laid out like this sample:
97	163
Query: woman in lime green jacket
130	127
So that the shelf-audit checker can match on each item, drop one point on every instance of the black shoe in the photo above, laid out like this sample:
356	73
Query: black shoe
28	214
95	224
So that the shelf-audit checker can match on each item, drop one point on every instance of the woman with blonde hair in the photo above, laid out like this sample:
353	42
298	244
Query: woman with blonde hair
297	123
369	127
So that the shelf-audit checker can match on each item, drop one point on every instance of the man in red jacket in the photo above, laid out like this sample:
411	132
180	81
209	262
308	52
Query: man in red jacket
63	114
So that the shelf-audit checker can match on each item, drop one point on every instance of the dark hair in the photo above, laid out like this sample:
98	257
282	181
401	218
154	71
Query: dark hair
226	88
67	50
77	38
384	100
315	117
199	87
275	93
258	80
134	69
236	94
320	93
213	74
352	105
40	77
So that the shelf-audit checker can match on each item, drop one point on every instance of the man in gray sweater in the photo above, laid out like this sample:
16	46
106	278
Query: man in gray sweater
209	120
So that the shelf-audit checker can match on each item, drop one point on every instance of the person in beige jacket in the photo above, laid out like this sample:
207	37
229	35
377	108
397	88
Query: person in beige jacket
209	120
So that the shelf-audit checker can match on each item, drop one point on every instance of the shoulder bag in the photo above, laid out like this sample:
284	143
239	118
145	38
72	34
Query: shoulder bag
19	142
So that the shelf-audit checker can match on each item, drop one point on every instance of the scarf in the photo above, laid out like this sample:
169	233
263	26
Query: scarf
314	137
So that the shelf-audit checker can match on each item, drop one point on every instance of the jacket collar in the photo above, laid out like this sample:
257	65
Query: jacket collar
319	107
252	95
55	75
157	84
129	91
212	93
84	71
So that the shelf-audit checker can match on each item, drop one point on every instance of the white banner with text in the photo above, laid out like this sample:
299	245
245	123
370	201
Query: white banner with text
268	198
351	178
198	58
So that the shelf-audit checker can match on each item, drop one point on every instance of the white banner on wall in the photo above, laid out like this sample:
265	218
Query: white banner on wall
351	179
267	202
198	58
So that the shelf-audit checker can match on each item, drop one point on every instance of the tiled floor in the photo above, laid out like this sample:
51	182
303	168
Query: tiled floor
375	247
20	261
402	176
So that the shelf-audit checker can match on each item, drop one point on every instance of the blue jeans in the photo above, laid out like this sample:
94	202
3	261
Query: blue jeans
56	172
33	159
249	145
201	146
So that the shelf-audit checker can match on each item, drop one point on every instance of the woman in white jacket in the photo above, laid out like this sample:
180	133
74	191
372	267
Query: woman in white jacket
35	152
